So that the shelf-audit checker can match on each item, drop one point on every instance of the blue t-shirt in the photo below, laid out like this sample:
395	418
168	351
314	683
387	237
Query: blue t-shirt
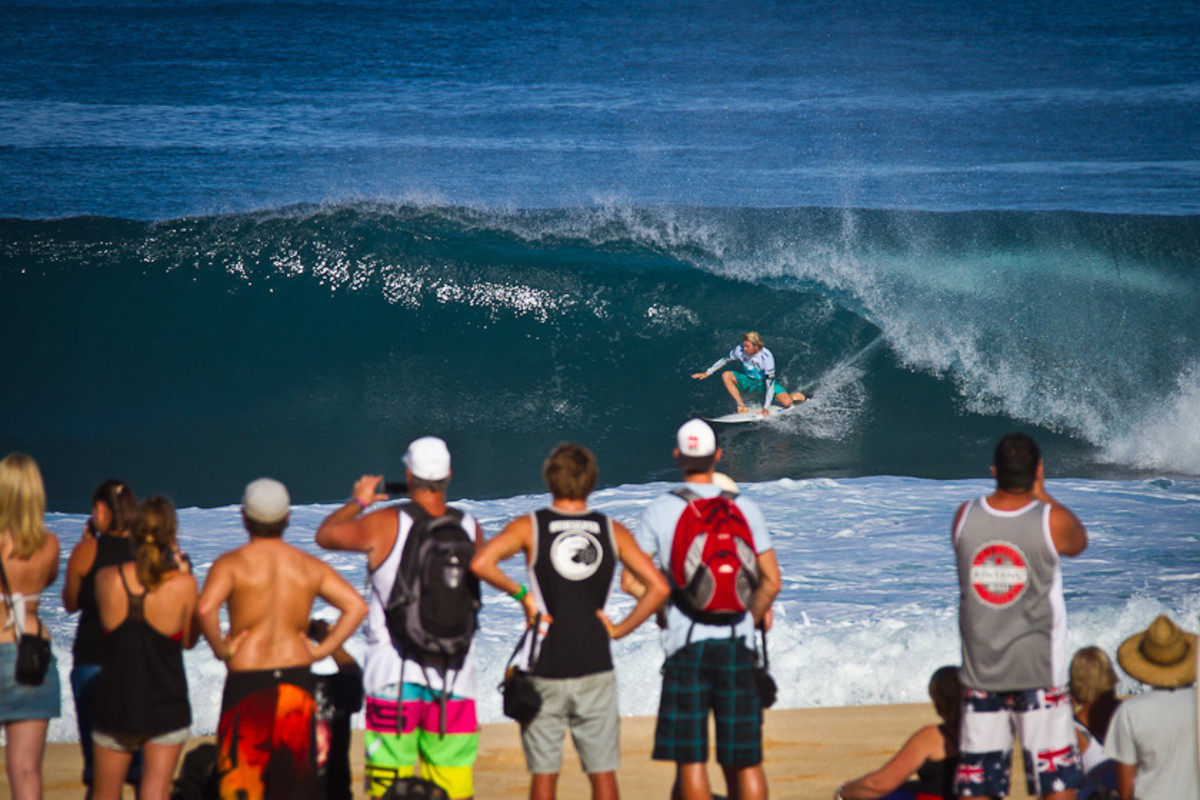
654	536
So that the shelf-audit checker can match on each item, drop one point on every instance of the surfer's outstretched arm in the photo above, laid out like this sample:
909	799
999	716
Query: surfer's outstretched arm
720	362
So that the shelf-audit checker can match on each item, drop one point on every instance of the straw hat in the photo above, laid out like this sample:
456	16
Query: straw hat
1162	655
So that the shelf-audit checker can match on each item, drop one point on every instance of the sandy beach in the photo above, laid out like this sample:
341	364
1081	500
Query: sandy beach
809	751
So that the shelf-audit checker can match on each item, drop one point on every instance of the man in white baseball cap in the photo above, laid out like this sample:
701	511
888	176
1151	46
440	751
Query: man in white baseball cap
710	664
400	684
270	587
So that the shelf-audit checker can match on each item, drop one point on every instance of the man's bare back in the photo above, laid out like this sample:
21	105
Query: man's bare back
270	587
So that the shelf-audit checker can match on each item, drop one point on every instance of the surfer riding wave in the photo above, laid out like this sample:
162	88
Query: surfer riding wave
757	375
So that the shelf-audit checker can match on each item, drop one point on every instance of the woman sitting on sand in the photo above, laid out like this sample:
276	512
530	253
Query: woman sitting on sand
147	608
29	556
931	752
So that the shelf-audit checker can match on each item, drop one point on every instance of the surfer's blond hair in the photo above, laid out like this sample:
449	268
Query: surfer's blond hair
753	338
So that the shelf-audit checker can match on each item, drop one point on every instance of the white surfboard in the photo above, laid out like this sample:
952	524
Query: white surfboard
753	415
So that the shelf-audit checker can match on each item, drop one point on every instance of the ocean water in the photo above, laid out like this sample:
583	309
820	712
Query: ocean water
286	238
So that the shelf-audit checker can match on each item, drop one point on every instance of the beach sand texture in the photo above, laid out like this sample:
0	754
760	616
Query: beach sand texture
809	751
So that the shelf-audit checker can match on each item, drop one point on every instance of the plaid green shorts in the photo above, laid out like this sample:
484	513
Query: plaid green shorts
710	675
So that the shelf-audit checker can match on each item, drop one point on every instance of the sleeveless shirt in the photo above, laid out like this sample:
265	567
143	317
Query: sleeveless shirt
1011	611
571	576
89	636
142	688
382	664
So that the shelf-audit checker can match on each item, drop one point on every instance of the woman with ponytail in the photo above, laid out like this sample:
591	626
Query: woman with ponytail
105	542
147	608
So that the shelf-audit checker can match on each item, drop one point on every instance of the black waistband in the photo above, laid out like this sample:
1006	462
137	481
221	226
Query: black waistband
240	685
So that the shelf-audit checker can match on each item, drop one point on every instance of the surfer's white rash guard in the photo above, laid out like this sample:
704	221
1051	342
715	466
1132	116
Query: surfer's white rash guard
759	367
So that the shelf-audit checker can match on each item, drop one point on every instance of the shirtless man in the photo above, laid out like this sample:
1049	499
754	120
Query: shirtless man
270	588
757	375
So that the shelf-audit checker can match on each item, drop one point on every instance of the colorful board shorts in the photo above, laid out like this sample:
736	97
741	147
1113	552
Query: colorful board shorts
716	675
400	733
1043	719
266	736
747	384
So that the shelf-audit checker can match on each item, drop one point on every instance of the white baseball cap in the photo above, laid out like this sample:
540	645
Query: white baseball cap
696	439
266	500
428	459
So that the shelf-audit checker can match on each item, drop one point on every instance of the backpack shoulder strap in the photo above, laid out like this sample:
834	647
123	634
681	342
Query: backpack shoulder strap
685	494
418	513
414	510
688	496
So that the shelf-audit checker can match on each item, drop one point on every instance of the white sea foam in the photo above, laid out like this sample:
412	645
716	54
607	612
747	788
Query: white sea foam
869	605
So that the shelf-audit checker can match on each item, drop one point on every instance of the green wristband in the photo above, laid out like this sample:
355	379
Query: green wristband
519	595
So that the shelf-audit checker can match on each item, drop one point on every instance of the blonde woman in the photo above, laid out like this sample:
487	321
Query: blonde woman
29	554
1093	691
147	608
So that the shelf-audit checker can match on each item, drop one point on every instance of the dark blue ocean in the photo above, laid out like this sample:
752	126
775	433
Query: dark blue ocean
286	238
255	238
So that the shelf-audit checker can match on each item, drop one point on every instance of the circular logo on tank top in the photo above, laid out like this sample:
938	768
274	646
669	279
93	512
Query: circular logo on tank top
999	574
576	555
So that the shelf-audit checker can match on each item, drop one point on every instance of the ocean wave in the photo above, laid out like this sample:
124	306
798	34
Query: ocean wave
912	327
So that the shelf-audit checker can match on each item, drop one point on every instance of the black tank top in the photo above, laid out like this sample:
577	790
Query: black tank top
937	777
575	558
143	687
89	636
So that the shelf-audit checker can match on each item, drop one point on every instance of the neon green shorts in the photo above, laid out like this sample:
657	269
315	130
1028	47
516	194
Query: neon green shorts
400	733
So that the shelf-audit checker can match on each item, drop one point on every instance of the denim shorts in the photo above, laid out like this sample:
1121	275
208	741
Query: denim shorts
18	701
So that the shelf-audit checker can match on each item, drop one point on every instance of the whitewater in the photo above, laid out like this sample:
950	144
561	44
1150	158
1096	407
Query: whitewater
869	602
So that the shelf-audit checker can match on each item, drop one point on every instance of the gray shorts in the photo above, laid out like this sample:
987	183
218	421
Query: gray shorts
125	743
588	706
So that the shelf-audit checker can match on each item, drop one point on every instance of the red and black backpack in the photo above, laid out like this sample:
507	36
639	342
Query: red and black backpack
714	568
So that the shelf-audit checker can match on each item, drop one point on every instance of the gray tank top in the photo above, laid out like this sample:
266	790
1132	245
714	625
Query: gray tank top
1011	612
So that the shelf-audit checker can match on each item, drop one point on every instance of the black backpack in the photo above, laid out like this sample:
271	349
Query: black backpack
197	775
431	613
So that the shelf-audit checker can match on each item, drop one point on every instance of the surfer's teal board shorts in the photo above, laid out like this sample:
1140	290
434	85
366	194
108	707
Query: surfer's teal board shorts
747	384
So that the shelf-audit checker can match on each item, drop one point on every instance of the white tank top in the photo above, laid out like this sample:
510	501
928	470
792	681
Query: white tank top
383	665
